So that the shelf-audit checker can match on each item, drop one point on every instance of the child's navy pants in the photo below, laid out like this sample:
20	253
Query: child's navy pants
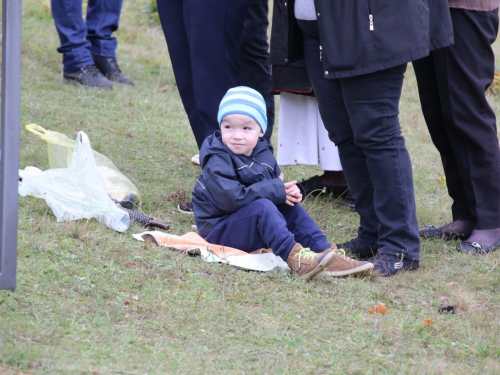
262	224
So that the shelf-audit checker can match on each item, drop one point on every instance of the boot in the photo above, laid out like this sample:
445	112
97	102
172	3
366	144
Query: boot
305	264
345	266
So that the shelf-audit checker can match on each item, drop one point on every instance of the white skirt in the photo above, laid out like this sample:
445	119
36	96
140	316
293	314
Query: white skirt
302	137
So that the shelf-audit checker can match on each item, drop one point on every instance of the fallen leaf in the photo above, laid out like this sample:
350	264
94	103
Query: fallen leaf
164	88
135	298
127	316
381	309
127	303
427	322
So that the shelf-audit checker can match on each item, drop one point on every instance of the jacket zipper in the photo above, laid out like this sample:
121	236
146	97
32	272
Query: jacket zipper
370	14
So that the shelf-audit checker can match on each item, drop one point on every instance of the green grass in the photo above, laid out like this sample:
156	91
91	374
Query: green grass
92	301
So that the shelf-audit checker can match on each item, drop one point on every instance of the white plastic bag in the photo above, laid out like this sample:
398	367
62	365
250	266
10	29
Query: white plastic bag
60	151
76	192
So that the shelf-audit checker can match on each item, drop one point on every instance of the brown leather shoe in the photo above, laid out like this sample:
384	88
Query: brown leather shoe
345	266
306	264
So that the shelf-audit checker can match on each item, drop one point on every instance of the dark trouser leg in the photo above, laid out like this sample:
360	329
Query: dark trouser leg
425	71
465	131
262	225
72	31
304	228
204	40
255	72
361	116
333	112
103	17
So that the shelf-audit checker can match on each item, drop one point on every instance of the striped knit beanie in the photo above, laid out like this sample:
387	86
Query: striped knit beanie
245	101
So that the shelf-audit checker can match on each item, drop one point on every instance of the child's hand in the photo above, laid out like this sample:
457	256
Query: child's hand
293	194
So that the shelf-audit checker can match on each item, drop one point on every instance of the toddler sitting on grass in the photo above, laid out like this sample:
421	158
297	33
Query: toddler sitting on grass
240	199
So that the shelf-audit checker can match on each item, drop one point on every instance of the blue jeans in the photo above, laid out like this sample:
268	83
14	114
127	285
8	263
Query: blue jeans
262	224
361	116
81	39
210	57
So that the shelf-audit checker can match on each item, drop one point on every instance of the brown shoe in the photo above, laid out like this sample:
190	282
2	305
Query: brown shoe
305	264
345	266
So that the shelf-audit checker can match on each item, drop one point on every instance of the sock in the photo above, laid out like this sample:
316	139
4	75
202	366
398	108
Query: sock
485	237
460	227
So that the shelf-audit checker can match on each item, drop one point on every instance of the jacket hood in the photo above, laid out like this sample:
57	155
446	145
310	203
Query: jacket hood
213	145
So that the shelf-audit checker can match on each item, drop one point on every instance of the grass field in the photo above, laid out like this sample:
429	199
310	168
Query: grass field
93	301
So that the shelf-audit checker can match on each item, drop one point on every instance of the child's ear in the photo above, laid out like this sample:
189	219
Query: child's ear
261	134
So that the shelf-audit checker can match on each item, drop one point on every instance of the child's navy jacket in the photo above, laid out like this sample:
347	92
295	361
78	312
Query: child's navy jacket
229	182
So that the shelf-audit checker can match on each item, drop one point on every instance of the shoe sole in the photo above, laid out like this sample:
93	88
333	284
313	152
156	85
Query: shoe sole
75	82
195	160
439	234
184	212
365	269
327	260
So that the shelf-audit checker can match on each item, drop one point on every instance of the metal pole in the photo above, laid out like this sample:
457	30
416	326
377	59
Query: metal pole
11	118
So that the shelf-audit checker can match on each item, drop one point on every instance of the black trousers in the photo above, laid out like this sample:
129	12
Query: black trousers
361	116
452	82
214	46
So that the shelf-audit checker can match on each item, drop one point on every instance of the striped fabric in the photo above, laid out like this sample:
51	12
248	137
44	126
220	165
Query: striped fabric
245	101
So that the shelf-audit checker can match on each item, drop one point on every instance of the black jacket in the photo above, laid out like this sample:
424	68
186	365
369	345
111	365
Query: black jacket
229	182
364	36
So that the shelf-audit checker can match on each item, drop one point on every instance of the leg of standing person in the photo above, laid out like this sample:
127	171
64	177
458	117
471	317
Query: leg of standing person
361	116
78	65
463	72
428	87
204	54
254	70
103	17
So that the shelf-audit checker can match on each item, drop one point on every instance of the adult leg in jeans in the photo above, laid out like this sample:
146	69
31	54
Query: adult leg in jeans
72	31
102	20
254	70
361	116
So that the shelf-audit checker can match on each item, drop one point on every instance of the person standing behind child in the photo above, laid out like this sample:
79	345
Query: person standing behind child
241	201
88	48
452	82
356	54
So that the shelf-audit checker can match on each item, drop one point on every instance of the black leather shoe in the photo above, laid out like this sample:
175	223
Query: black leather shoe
109	67
390	265
314	186
430	231
349	202
475	248
358	249
87	76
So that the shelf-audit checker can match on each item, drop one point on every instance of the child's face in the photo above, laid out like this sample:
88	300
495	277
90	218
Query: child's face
240	133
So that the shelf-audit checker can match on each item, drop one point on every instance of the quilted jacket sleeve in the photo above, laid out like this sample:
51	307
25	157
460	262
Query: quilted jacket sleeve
229	195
